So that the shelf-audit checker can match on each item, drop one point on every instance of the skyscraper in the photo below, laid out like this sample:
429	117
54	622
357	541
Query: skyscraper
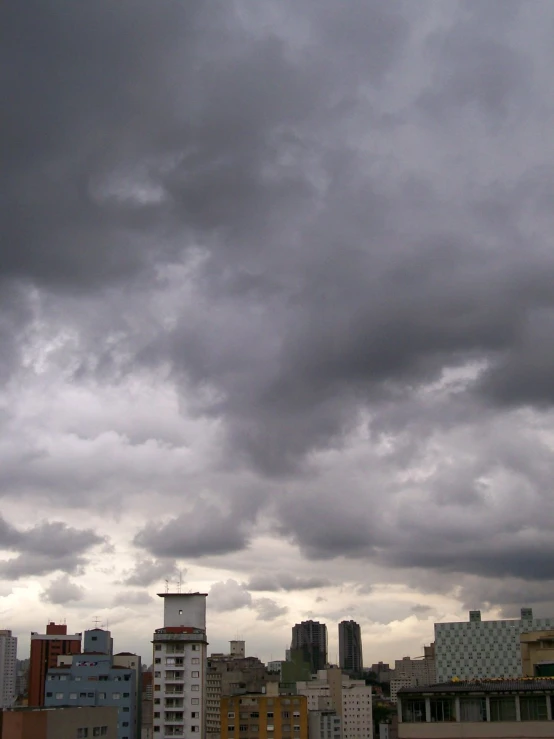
8	669
45	650
180	663
310	637
350	646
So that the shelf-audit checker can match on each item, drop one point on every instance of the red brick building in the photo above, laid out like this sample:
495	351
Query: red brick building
45	650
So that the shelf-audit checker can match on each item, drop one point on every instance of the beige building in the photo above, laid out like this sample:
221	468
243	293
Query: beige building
536	647
480	709
59	723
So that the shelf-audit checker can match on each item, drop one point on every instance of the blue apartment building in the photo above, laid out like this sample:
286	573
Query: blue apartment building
92	679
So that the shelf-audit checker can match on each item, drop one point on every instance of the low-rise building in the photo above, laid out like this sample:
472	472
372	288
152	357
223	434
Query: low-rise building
536	647
497	709
59	723
324	724
264	716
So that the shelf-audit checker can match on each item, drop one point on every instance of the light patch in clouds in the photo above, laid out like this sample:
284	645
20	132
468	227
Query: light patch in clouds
63	590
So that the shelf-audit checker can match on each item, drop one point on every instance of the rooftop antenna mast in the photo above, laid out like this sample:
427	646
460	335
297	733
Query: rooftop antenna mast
96	622
167	586
180	581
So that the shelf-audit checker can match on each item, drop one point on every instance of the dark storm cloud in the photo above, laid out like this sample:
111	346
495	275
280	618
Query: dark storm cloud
359	196
203	530
45	548
62	590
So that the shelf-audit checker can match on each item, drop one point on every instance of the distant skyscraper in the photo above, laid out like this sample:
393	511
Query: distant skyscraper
8	668
311	638
350	646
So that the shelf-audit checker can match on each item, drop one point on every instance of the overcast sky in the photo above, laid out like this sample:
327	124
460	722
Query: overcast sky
277	313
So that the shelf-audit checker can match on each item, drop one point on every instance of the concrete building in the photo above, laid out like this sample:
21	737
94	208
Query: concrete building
237	648
357	710
536	647
94	679
410	672
229	675
483	649
45	650
58	723
397	683
324	724
350	699
350	647
499	709
180	664
263	716
8	668
310	637
147	705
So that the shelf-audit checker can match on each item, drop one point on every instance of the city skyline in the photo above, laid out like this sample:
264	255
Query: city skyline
276	315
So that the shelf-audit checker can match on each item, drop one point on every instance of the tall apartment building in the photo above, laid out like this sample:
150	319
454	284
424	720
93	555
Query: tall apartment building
350	646
310	637
264	716
45	650
483	649
180	663
8	668
95	677
411	673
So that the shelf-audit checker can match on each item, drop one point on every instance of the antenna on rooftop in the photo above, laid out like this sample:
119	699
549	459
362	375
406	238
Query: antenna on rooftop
180	581
167	586
96	621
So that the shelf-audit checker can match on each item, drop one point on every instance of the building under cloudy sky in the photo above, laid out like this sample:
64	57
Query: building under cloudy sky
276	315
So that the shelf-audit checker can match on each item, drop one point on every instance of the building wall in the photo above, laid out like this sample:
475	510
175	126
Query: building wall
45	650
261	716
500	730
62	723
92	680
480	649
324	725
536	646
185	609
357	711
8	668
23	725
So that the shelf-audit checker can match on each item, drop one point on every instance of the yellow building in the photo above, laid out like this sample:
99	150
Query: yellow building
264	716
536	647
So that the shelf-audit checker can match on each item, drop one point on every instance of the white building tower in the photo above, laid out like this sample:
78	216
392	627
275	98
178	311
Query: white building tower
8	668
180	663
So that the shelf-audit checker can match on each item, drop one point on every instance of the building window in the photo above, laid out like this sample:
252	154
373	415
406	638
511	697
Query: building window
73	696
157	647
156	714
231	714
270	714
230	727
195	728
413	712
195	687
195	648
473	709
285	714
196	714
116	696
195	701
158	661
503	709
533	708
124	723
103	731
82	733
102	696
442	709
195	673
59	696
195	660
125	695
48	695
126	709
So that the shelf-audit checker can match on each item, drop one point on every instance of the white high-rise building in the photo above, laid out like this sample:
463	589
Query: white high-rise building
180	665
8	668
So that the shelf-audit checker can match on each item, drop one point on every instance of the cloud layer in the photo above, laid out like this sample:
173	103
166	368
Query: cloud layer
277	280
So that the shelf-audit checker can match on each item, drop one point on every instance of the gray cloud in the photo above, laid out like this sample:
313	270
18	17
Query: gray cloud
45	548
229	595
286	582
149	571
133	598
62	590
268	609
303	221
